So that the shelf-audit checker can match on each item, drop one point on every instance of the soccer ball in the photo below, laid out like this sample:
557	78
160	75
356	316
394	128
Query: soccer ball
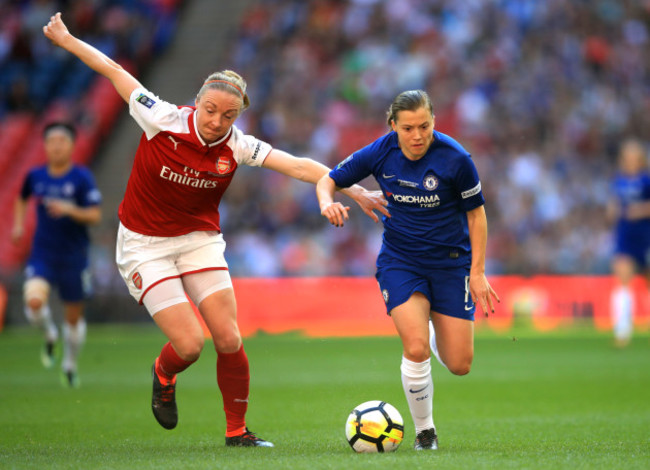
374	426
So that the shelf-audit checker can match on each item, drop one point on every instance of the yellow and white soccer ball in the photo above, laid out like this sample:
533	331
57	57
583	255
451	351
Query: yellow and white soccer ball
374	426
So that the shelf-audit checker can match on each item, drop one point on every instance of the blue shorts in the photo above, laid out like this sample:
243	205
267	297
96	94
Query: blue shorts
447	289
71	280
634	245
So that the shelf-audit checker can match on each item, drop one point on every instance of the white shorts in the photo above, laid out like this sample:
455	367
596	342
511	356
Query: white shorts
145	261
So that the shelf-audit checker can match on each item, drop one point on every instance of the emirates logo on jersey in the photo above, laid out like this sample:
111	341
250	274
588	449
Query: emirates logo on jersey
223	165
137	280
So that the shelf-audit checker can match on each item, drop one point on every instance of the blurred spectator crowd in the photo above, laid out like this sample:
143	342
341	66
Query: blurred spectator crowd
540	92
40	83
33	74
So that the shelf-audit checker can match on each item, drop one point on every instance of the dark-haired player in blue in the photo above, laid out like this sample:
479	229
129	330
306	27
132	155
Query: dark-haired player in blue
431	267
67	202
630	207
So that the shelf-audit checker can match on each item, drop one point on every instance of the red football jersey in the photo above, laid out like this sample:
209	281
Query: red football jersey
177	180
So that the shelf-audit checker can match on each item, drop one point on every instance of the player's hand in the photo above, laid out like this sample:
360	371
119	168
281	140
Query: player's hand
56	30
17	233
370	201
335	212
58	208
482	293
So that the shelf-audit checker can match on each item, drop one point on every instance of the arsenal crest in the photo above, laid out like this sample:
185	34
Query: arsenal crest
137	280
223	165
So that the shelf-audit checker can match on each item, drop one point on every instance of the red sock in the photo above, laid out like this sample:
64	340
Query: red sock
233	379
169	363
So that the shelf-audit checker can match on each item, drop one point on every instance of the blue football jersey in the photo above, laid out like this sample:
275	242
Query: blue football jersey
61	238
428	198
632	235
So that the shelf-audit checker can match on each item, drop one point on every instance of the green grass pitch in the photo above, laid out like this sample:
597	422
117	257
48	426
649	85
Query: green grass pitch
568	400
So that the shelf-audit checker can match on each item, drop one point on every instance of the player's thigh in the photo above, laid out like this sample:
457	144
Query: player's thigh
38	266
455	341
411	320
207	282
450	292
38	282
398	284
74	284
205	271
179	323
73	312
219	310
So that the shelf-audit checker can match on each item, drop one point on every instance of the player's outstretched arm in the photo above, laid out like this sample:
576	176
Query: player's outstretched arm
335	212
57	32
18	229
311	171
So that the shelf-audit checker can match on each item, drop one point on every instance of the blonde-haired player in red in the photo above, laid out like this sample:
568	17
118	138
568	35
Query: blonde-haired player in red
169	242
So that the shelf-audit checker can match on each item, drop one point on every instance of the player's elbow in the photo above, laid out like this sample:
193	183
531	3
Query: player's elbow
301	170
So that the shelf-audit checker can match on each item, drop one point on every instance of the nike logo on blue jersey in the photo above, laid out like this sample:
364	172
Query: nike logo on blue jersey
469	307
418	391
386	177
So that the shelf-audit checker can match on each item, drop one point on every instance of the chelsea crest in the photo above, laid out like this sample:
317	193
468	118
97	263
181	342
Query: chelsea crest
430	182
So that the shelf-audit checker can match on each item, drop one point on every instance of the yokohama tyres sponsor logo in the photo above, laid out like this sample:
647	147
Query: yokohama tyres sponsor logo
432	200
167	174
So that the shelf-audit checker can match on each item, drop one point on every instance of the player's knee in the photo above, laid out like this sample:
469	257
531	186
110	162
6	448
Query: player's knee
417	351
73	312
189	349
460	366
36	292
229	342
460	369
35	304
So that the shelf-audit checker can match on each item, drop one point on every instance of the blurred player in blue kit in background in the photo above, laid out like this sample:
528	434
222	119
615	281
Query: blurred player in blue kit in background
630	208
431	267
67	202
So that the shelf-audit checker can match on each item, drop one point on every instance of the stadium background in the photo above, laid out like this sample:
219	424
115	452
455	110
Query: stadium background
541	94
